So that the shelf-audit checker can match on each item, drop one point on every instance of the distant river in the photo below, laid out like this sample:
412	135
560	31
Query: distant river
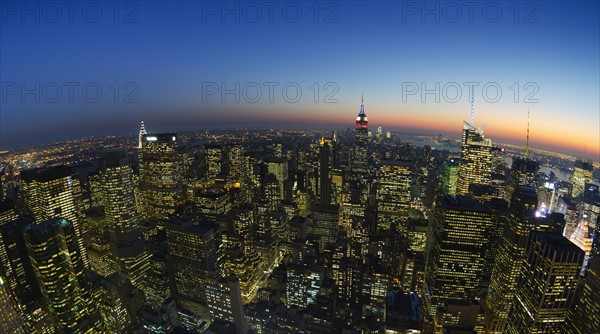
559	173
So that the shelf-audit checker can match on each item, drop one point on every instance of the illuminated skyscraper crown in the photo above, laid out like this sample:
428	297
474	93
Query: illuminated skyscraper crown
142	133
361	119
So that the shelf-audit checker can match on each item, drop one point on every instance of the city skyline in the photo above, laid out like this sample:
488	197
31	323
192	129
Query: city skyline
382	52
202	167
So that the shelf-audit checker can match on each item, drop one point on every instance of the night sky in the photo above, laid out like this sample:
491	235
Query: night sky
163	60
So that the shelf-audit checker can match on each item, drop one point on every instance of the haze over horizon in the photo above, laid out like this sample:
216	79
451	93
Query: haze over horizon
167	59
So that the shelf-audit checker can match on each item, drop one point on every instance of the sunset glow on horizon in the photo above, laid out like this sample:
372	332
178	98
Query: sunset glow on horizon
545	61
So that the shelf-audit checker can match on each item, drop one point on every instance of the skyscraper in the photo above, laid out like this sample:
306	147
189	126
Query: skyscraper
52	193
160	176
325	167
476	159
214	161
450	176
295	286
361	137
460	229
235	165
115	188
511	254
581	238
141	134
584	317
546	286
393	194
324	223
191	262
522	173
15	266
582	174
225	305
57	260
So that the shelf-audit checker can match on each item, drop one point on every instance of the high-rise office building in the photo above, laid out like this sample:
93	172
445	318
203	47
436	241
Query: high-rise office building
191	262
296	285
393	194
324	171
53	192
214	157
510	256
522	173
225	305
581	238
235	165
361	137
15	266
280	169
115	188
57	260
546	286
160	176
449	177
459	235
582	174
324	224
476	159
584	317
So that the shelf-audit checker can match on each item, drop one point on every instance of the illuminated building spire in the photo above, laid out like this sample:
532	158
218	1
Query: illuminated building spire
472	111
361	135
527	142
362	106
142	133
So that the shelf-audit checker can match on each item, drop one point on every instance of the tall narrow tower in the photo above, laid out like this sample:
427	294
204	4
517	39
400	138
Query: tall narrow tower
523	171
473	111
324	173
361	135
527	142
141	135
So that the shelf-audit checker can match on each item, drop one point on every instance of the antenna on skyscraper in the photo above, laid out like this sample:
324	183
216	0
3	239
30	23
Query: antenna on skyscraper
472	111
362	105
527	142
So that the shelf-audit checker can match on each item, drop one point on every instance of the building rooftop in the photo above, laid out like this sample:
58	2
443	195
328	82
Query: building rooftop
556	241
46	174
461	203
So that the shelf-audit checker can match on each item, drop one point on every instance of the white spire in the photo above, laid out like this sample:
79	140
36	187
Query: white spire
142	133
527	142
472	111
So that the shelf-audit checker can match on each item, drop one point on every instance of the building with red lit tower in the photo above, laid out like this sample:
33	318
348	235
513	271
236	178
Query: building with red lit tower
361	136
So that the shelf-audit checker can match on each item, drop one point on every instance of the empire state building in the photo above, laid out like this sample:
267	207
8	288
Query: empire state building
361	138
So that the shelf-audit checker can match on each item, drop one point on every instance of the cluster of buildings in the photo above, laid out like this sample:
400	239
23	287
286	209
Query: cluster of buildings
345	233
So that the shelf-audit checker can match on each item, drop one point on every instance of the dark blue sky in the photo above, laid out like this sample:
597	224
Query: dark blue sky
165	55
